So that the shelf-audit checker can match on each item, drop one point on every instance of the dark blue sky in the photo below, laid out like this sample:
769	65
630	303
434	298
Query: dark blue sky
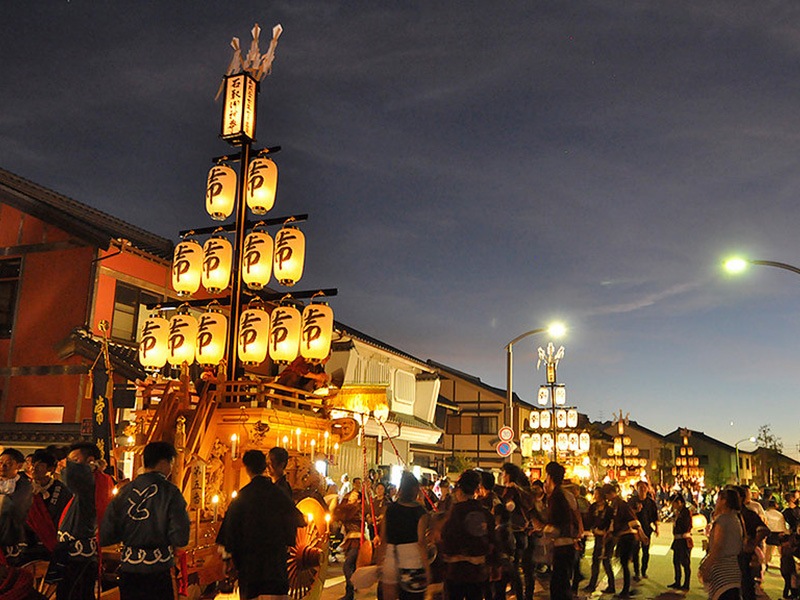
473	170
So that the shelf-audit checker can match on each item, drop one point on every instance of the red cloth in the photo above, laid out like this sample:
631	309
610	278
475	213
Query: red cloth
183	580
103	484
42	524
18	585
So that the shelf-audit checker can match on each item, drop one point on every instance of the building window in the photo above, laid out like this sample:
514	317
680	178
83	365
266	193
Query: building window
9	282
405	387
129	304
453	424
484	425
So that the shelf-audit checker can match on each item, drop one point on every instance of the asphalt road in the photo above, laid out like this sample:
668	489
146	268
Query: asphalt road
660	574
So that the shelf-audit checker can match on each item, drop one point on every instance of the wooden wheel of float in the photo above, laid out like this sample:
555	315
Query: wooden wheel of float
308	559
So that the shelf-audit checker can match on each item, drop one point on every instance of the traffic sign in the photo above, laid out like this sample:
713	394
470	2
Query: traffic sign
506	434
505	449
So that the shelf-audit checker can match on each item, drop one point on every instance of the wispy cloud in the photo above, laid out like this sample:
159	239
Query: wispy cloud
643	301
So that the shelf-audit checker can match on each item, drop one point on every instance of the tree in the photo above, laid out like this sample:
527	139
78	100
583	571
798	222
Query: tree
459	463
771	448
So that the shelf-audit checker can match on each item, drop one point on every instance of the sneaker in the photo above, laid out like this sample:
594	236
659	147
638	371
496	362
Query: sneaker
685	587
608	590
674	586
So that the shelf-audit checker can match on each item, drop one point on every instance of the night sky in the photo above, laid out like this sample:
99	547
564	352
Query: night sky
473	170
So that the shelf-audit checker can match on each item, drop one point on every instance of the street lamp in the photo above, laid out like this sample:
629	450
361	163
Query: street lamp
555	329
738	264
752	439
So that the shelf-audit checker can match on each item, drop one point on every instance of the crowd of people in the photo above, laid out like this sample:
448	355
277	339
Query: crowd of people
482	539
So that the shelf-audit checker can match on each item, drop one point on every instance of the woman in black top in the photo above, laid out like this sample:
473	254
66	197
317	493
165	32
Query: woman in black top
405	565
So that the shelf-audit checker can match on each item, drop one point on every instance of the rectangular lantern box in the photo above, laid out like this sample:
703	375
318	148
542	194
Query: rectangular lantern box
239	111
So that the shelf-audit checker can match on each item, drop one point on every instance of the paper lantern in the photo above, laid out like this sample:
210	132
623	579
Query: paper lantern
584	442
533	420
635	451
153	347
316	332
547	442
187	266
239	109
220	192
563	442
525	445
544	419
643	462
544	396
536	442
561	419
574	444
284	334
262	183
290	252
627	440
253	336
217	258
212	335
689	450
257	260
181	340
572	418
617	446
610	451
561	396
603	462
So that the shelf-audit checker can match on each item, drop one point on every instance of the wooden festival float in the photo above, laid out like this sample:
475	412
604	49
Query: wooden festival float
238	330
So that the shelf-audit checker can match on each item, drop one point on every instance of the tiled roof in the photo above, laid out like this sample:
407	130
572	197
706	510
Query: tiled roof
356	334
124	359
475	381
78	219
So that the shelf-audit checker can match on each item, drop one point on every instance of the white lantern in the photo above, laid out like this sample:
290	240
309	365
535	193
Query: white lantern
284	334
573	442
217	258
262	183
618	446
253	336
525	445
316	332
544	419
220	192
536	442
563	442
572	418
547	442
561	395
544	396
561	419
533	420
290	252
212	334
257	260
181	340
153	347
584	442
187	265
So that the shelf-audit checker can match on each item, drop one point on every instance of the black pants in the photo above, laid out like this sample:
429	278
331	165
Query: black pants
625	547
645	556
348	568
521	540
146	586
463	590
602	553
79	581
682	558
561	579
748	577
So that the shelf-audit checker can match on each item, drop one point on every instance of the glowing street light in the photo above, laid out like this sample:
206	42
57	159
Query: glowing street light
738	265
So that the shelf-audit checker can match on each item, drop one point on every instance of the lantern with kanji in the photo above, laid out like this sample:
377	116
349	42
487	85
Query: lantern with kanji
220	192
561	418
536	442
572	418
562	442
284	334
262	183
257	259
544	396
290	251
153	347
316	332
560	395
584	442
544	419
212	334
181	339
253	336
533	420
217	258
187	267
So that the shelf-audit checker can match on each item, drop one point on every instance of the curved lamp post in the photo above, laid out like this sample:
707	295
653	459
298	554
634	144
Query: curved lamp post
556	330
752	438
737	265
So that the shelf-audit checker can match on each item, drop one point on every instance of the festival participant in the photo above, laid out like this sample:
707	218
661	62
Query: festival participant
467	536
277	462
503	555
777	529
261	523
599	522
380	502
516	496
719	570
348	513
16	496
50	498
648	519
623	525
562	520
755	532
405	561
149	517
681	543
76	552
